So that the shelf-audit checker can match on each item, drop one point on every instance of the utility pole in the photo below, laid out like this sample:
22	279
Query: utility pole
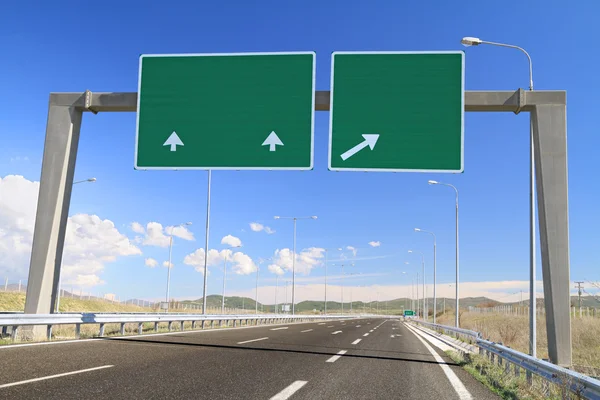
579	292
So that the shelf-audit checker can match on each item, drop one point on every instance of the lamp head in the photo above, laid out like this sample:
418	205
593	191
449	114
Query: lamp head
92	180
314	217
410	251
276	217
188	223
433	182
471	41
417	230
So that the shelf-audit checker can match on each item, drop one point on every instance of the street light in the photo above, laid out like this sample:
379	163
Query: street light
326	250
294	258
472	41
170	258
60	269
85	180
434	269
457	262
225	277
423	275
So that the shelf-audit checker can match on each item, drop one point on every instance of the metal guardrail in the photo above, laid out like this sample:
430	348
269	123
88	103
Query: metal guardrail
15	321
580	384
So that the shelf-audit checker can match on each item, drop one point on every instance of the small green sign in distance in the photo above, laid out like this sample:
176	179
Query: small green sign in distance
409	313
240	111
397	111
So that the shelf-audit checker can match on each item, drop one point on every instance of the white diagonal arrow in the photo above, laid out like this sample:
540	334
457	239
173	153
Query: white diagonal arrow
272	140
173	141
370	140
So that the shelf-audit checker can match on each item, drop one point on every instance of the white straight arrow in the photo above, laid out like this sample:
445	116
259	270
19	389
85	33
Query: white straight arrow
272	140
370	140
173	141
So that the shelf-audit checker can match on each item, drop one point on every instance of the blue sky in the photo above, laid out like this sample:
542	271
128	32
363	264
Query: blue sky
70	46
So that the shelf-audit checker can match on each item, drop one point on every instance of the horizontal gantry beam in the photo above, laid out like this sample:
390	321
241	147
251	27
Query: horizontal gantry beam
483	101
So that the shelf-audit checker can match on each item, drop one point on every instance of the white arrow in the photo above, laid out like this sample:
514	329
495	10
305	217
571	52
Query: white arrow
370	140
173	141
336	332
272	140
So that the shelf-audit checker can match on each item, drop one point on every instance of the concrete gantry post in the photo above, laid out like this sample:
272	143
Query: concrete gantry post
548	112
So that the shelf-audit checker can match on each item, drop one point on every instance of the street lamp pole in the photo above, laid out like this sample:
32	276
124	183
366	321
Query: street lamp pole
472	41
224	278
170	260
256	293
424	309
434	269
457	263
295	219
326	250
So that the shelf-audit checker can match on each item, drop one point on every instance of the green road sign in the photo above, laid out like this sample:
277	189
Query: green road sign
226	111
397	111
409	313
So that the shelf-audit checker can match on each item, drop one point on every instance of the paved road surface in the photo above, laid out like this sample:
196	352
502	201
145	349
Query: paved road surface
354	359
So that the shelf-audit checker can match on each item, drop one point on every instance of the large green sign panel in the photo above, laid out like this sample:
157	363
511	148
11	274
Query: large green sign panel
226	111
397	111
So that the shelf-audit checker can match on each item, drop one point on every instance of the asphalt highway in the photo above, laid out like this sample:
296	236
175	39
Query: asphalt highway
352	359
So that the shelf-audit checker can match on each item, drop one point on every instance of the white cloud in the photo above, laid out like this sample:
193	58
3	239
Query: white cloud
375	244
352	249
150	262
156	235
256	227
306	260
90	241
137	228
276	269
240	263
166	264
231	241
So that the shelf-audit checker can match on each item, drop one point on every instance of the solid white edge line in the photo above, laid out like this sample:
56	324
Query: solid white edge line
289	391
101	339
337	356
54	376
456	383
307	330
253	340
357	341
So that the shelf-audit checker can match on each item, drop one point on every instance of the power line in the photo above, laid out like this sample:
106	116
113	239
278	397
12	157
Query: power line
579	291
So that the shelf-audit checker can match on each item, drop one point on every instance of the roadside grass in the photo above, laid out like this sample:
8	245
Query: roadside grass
506	384
10	301
513	331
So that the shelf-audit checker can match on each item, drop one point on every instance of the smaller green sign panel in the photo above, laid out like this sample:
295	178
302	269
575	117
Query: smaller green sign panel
252	111
397	111
409	313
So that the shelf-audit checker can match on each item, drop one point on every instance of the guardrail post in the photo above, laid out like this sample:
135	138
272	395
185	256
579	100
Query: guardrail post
212	323
122	330
4	330
13	334
235	323
140	328
220	323
156	327
182	322
77	331
193	325
507	368
202	324
170	326
517	371
49	332
101	333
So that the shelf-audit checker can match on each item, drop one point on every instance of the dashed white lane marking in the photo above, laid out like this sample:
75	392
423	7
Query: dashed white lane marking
337	356
358	326
458	386
307	330
321	323
336	332
330	326
357	341
278	329
289	391
253	340
366	334
371	331
53	376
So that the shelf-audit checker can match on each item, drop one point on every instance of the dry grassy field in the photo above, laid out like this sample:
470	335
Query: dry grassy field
513	331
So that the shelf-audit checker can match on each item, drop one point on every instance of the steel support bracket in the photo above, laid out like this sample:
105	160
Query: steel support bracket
88	102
